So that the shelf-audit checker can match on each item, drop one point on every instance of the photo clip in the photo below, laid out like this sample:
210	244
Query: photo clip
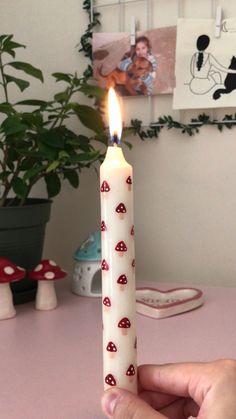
218	21
132	30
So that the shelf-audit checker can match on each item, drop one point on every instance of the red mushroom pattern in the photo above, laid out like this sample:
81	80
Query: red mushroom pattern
122	281
121	210
121	247
110	379
129	182
107	302
111	347
103	226
130	371
124	323
105	187
105	266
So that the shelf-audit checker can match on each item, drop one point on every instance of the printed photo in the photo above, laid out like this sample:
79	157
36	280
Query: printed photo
146	68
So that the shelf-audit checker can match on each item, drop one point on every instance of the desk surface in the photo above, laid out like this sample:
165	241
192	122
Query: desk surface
51	362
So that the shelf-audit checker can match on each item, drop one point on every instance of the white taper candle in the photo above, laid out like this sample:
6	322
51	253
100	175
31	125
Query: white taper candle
118	271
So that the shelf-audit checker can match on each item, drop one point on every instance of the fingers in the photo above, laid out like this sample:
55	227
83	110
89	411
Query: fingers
169	405
117	404
183	380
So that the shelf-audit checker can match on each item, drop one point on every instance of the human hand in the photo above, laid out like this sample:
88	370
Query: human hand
177	391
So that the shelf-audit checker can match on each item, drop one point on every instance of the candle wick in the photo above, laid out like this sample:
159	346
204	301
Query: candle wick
115	140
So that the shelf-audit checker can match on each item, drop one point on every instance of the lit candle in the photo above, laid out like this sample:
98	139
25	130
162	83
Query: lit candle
118	263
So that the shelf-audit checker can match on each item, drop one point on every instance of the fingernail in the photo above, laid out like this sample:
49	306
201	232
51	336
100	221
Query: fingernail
109	402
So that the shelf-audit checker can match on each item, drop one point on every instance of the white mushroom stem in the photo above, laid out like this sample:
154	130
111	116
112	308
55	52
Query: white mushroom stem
46	298
7	309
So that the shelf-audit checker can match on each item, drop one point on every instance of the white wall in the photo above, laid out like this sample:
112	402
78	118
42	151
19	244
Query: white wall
185	200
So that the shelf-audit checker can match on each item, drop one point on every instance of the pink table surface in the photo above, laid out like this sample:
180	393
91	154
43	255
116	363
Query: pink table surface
51	362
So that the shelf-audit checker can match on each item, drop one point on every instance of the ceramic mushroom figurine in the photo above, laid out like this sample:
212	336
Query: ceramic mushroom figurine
8	273
46	273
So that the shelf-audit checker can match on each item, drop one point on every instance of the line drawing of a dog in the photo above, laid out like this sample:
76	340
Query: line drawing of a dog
131	79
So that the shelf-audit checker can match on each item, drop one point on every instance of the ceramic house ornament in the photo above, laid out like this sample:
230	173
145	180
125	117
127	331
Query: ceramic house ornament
86	280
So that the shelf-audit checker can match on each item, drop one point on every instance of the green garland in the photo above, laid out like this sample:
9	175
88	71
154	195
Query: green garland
165	121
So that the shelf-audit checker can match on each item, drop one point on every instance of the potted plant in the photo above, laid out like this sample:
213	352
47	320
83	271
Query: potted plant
35	145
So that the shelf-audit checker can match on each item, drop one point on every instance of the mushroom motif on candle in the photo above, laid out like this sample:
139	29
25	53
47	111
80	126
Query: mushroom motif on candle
130	372
105	187
129	182
124	324
107	303
104	265
121	210
121	248
122	281
8	273
103	227
111	347
46	273
110	380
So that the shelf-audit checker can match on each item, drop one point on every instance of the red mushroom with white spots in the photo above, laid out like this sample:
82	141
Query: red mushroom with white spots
122	281
130	372
107	303
121	210
104	265
112	349
46	273
129	182
124	324
105	187
103	227
8	273
110	380
121	248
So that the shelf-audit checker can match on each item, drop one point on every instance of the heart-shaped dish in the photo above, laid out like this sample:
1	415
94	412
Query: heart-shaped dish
159	304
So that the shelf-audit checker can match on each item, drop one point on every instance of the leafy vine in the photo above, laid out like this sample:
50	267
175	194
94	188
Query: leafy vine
165	121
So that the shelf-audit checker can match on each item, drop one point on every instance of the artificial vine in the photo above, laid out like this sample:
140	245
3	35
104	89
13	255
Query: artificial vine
165	121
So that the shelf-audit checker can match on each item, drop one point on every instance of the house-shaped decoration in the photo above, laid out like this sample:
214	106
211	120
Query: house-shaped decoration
86	278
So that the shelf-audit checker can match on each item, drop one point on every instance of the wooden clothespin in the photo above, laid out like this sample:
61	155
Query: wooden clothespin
132	31
218	21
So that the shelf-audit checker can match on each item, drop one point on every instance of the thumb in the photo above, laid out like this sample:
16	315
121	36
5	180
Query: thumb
121	404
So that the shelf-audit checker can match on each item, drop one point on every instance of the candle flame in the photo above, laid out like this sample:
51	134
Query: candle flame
114	115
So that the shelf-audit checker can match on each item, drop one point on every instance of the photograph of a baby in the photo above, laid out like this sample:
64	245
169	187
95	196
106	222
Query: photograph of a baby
146	68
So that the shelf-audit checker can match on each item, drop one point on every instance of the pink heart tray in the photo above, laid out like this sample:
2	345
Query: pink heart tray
159	304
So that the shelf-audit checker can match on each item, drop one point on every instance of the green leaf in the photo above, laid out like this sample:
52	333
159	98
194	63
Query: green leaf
62	77
52	166
90	117
94	91
32	102
6	108
28	69
93	155
61	97
32	172
19	187
12	125
54	137
73	177
53	184
22	84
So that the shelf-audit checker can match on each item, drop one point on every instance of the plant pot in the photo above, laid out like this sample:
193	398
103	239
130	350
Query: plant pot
22	230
